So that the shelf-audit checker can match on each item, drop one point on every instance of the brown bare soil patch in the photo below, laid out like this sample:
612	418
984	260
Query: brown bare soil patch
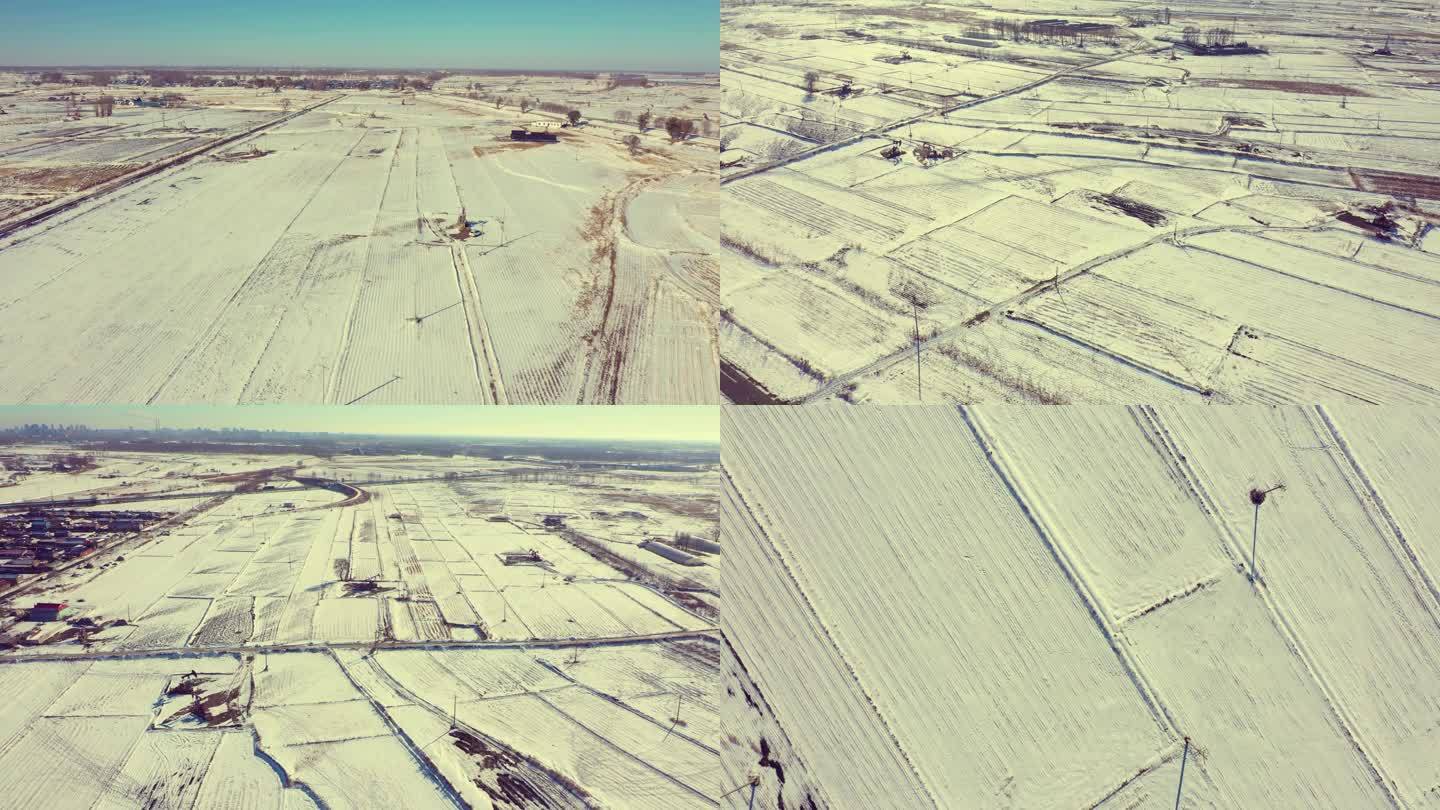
1312	88
1398	184
1146	213
15	205
60	178
598	231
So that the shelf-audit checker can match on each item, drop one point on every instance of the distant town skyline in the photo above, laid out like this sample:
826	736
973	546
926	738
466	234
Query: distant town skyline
621	423
559	35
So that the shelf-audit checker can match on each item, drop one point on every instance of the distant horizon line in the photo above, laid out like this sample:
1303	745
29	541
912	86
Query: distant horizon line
666	71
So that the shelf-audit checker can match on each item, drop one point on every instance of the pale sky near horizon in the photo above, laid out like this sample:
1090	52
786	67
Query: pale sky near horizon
552	35
634	422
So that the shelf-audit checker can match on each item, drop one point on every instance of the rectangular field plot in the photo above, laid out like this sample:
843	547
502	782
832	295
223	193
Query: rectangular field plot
895	643
112	688
1232	678
611	774
68	762
1136	551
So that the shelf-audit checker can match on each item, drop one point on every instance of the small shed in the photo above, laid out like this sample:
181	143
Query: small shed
47	611
526	135
674	555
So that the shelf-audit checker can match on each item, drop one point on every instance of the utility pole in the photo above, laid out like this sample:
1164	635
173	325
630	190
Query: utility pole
1257	497
915	310
1179	789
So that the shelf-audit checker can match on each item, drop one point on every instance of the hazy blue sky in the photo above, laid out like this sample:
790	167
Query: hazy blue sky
698	423
539	34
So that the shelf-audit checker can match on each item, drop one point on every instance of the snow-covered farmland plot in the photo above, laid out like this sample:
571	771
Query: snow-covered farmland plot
1059	607
418	638
362	247
417	553
1069	203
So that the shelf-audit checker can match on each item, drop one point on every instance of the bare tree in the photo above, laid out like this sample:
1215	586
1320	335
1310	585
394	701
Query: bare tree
573	116
1219	37
679	129
632	142
727	138
526	104
642	121
811	78
623	115
342	569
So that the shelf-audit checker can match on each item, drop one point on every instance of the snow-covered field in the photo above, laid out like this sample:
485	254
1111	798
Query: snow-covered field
1032	607
1109	224
319	260
298	647
417	558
